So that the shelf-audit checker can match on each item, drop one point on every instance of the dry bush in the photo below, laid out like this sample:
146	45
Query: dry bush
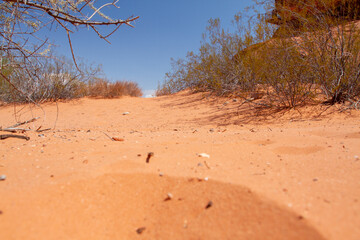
285	75
103	88
124	88
217	67
334	59
329	40
313	49
57	79
97	87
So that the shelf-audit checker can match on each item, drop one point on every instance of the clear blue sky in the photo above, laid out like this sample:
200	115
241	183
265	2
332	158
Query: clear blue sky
166	29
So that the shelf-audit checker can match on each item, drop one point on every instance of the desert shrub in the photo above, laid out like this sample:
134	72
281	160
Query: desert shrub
5	87
304	48
124	88
329	40
100	87
97	87
219	65
285	76
334	59
54	79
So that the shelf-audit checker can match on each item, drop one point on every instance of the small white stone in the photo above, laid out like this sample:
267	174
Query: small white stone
204	155
170	196
206	179
126	113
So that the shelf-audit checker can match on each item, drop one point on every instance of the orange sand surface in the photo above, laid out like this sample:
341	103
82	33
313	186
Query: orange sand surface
271	175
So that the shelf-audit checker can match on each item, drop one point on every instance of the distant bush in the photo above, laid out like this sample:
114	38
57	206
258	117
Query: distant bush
58	79
103	88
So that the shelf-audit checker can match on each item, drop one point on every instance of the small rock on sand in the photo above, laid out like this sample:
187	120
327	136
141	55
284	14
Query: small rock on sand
2	177
209	205
204	155
140	230
169	197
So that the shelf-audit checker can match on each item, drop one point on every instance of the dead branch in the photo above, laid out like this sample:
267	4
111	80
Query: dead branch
108	136
43	130
13	130
57	13
7	130
5	136
22	123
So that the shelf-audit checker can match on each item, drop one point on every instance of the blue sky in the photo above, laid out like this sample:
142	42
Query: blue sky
166	29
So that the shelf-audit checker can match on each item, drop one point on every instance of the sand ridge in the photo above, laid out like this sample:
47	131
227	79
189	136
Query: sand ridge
286	175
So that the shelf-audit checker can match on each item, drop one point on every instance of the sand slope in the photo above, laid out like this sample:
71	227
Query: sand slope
284	175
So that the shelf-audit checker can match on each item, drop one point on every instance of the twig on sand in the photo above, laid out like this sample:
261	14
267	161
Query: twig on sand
22	123
206	165
109	136
43	130
7	130
150	154
14	130
5	136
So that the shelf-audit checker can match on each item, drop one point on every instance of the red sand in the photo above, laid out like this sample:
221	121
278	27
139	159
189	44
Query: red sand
285	175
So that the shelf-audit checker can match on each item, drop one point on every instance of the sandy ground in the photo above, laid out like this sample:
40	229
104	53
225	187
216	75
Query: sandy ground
283	175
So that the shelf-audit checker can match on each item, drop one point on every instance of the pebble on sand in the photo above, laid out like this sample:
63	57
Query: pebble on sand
209	205
203	155
169	197
140	230
2	177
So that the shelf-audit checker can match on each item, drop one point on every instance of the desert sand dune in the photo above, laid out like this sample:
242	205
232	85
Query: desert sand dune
280	175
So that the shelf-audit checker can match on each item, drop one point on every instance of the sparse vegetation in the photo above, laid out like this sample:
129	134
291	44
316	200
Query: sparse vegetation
310	53
58	79
29	72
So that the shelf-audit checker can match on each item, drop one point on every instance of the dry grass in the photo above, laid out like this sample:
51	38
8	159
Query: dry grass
104	88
